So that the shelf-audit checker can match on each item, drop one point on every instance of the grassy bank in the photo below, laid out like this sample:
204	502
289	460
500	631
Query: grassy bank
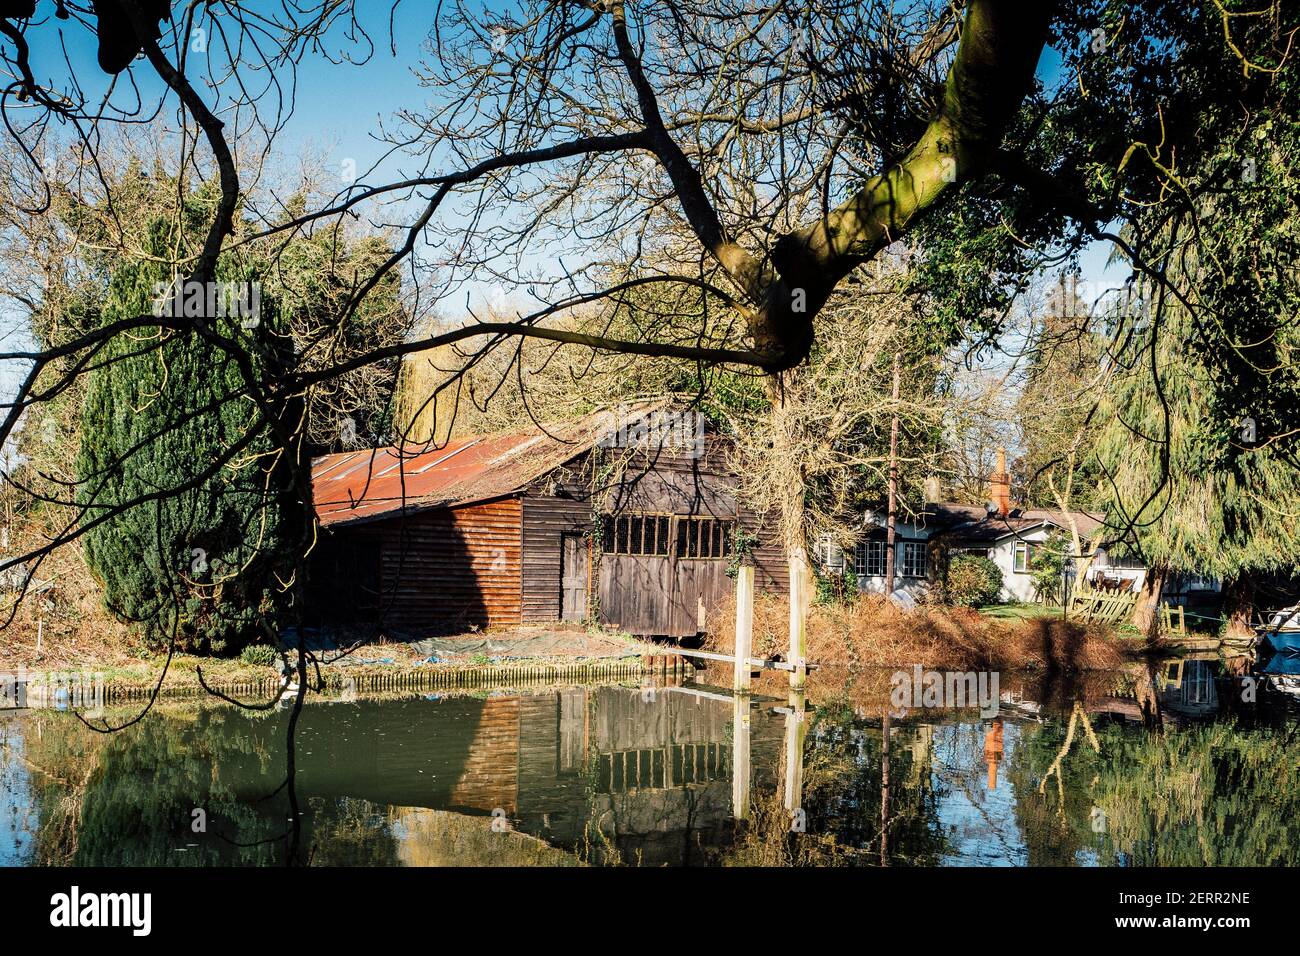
873	632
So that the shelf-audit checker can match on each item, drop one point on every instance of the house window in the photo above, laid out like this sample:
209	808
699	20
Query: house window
914	559
704	537
635	534
830	554
1022	556
1198	582
869	558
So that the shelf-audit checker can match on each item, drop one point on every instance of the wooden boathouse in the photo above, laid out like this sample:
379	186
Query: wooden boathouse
628	518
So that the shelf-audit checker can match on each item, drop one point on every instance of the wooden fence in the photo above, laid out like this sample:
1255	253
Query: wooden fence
1110	607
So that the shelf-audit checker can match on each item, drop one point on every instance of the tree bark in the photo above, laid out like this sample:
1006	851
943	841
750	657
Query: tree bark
891	518
1239	605
793	499
1146	617
992	71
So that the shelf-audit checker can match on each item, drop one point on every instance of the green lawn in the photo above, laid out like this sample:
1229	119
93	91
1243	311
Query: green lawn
1019	612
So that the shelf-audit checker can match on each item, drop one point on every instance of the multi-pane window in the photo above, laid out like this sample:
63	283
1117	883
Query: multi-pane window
869	558
913	559
635	534
641	534
704	537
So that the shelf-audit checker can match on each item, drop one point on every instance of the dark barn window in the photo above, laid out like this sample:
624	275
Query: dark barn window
704	537
635	534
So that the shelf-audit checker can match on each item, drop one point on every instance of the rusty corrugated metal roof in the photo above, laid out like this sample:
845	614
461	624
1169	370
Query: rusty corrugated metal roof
372	483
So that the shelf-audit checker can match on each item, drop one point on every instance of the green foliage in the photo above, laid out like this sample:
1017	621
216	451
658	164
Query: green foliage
1188	493
178	538
973	581
742	545
258	655
835	586
1047	566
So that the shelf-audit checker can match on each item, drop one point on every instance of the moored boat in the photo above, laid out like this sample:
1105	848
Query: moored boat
1282	632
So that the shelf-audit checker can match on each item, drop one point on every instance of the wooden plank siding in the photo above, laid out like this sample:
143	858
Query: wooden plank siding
452	569
544	521
499	563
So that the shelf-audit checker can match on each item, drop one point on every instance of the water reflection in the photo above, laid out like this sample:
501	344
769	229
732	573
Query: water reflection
1162	765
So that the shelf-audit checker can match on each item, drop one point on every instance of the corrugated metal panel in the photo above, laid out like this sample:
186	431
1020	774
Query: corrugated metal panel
364	485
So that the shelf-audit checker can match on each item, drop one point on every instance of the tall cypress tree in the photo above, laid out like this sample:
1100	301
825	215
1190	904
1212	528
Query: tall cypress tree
207	557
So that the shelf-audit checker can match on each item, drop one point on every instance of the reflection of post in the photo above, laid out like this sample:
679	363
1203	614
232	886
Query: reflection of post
884	789
740	756
744	622
795	729
993	751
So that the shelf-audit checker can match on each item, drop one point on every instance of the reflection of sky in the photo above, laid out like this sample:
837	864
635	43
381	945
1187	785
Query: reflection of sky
980	824
17	809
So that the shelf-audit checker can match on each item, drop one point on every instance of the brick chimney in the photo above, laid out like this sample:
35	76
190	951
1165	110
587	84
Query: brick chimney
1000	484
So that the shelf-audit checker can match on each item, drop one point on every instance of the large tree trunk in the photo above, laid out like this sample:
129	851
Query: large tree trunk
1239	605
1146	613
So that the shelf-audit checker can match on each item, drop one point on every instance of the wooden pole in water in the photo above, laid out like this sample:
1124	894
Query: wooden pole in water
884	788
795	728
740	756
744	624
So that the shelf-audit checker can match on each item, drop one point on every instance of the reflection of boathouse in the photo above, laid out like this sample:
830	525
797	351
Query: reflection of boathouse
651	770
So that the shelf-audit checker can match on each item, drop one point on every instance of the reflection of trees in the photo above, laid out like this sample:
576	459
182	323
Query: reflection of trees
1210	795
1207	795
351	832
842	795
1055	822
129	798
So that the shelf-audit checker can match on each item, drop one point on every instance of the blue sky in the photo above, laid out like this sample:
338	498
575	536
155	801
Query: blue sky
337	108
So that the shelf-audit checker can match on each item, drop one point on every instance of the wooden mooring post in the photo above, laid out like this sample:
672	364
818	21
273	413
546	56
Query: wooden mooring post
744	624
800	599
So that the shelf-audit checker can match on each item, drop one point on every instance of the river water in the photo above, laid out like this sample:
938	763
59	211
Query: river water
1180	764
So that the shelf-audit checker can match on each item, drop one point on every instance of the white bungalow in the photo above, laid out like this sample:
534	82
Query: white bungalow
1006	535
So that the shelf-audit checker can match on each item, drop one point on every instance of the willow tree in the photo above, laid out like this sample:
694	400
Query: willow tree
1183	490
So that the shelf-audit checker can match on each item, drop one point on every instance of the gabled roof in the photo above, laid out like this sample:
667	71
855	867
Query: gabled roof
972	523
967	523
375	483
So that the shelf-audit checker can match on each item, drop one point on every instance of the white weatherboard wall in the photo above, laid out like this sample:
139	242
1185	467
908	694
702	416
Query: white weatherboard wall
1016	585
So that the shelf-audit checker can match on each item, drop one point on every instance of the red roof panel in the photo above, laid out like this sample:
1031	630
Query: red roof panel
372	483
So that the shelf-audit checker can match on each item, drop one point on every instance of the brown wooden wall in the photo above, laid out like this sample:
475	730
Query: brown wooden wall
498	563
641	594
544	521
446	570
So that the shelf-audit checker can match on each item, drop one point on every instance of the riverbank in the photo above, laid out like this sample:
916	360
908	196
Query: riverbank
874	632
522	655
